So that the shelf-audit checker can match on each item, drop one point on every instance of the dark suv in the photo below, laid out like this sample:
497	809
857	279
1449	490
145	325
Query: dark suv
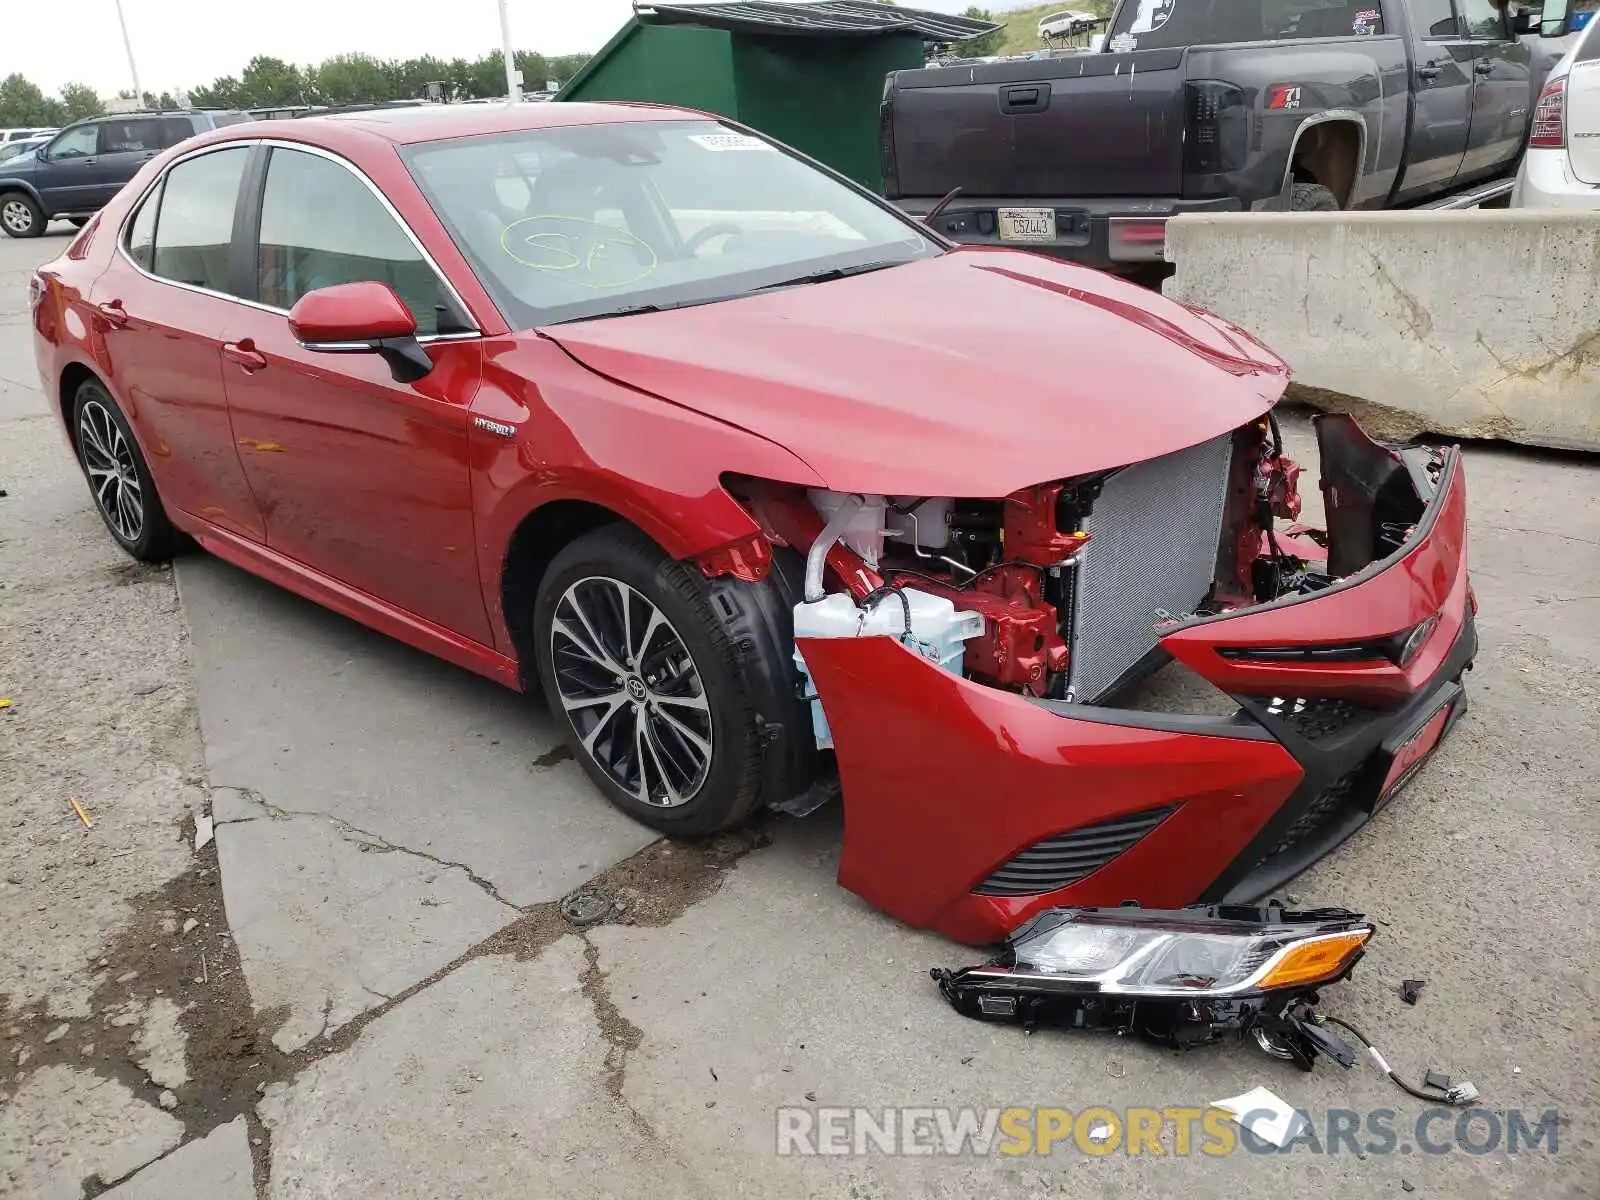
86	164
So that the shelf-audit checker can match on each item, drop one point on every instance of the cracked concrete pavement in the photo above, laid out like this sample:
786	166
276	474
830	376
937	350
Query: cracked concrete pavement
363	987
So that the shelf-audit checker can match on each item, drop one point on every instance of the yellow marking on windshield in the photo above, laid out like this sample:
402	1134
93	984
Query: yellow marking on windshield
585	253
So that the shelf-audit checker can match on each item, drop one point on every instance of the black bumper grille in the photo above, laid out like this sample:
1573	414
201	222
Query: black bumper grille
1316	720
1068	857
1326	810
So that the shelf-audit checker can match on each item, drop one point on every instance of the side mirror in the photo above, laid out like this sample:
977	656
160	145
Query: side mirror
1554	20
361	318
1525	22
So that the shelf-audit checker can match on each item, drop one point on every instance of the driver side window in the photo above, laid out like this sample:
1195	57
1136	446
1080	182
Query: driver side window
77	142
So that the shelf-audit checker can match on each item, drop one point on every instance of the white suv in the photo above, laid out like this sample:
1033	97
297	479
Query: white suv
1561	168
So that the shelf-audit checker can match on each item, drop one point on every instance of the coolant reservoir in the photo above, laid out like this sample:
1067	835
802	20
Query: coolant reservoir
938	631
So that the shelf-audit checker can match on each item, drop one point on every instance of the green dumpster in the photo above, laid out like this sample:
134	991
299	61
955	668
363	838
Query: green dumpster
808	74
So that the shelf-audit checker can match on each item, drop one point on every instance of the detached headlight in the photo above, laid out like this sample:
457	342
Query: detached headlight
1178	976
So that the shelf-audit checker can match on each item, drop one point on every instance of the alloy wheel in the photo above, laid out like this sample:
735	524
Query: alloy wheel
632	691
108	460
17	216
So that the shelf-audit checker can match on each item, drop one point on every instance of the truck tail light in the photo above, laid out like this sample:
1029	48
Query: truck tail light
1218	127
1550	117
886	151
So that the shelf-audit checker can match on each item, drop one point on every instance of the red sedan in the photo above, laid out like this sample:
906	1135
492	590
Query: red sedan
773	492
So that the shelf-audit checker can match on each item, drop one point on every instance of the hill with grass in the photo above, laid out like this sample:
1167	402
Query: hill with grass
1022	24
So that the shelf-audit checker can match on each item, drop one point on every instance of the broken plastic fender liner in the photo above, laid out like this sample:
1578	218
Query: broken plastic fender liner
945	780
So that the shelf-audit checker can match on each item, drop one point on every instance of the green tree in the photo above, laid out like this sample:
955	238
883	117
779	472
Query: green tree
270	82
78	100
22	102
989	43
222	93
350	79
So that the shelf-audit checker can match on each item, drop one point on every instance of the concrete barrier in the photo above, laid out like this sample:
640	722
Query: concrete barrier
1476	323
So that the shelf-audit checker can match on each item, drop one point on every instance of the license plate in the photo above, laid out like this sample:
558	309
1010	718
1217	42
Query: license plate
1027	224
1415	750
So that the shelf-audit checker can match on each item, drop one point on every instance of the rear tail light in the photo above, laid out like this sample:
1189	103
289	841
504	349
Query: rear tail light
1550	117
35	292
886	151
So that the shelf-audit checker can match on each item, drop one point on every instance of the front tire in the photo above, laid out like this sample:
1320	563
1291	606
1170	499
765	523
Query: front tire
119	478
648	665
20	216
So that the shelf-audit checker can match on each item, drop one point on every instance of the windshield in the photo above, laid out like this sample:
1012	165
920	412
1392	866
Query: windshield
594	220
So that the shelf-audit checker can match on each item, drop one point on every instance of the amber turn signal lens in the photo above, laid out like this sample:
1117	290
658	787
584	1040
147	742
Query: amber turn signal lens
1314	961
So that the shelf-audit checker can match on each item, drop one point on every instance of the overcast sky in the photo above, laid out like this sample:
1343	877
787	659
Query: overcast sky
183	44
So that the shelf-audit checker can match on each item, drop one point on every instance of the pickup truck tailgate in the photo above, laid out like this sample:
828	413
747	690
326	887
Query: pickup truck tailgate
1079	125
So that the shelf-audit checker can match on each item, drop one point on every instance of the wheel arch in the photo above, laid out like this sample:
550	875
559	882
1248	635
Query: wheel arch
26	188
73	376
1329	148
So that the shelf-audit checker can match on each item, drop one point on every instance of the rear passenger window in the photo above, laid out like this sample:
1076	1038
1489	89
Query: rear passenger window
142	234
194	225
175	130
1435	18
321	225
131	136
1153	24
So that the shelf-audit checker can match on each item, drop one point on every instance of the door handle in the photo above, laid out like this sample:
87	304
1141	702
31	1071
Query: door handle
1431	70
245	354
112	313
1484	66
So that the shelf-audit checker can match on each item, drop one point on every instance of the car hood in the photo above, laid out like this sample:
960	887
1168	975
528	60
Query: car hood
975	373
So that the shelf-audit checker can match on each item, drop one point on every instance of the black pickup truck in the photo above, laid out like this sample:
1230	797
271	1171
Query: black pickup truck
1214	105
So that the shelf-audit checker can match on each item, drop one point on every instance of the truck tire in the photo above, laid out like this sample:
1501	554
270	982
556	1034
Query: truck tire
1312	197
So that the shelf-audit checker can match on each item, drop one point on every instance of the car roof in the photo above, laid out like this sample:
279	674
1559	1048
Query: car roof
434	122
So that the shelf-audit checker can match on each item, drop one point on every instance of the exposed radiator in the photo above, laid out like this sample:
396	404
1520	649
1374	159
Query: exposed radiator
1155	531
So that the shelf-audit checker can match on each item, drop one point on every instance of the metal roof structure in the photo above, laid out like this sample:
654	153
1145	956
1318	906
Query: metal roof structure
819	18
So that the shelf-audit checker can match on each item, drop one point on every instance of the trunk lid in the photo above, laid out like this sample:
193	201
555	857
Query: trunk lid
1583	112
1077	126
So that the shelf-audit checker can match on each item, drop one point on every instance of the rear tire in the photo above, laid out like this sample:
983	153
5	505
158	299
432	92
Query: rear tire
20	216
1312	197
693	698
119	478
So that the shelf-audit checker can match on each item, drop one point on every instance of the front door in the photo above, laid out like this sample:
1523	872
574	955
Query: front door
358	476
68	172
163	316
1501	97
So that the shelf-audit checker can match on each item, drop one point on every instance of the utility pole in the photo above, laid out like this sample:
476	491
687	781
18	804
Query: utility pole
133	67
513	82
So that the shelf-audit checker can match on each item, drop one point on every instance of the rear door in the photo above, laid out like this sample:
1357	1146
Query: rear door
165	301
1501	94
126	144
1583	108
1442	83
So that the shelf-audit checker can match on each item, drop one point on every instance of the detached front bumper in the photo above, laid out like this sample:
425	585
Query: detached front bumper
969	809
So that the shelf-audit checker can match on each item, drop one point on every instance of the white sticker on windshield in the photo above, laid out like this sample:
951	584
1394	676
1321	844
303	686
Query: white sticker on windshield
729	141
1152	15
1124	43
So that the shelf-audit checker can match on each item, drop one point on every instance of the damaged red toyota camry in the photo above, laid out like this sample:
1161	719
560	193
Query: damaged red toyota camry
774	493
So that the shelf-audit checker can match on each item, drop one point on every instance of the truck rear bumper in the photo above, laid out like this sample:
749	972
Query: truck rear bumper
1107	232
